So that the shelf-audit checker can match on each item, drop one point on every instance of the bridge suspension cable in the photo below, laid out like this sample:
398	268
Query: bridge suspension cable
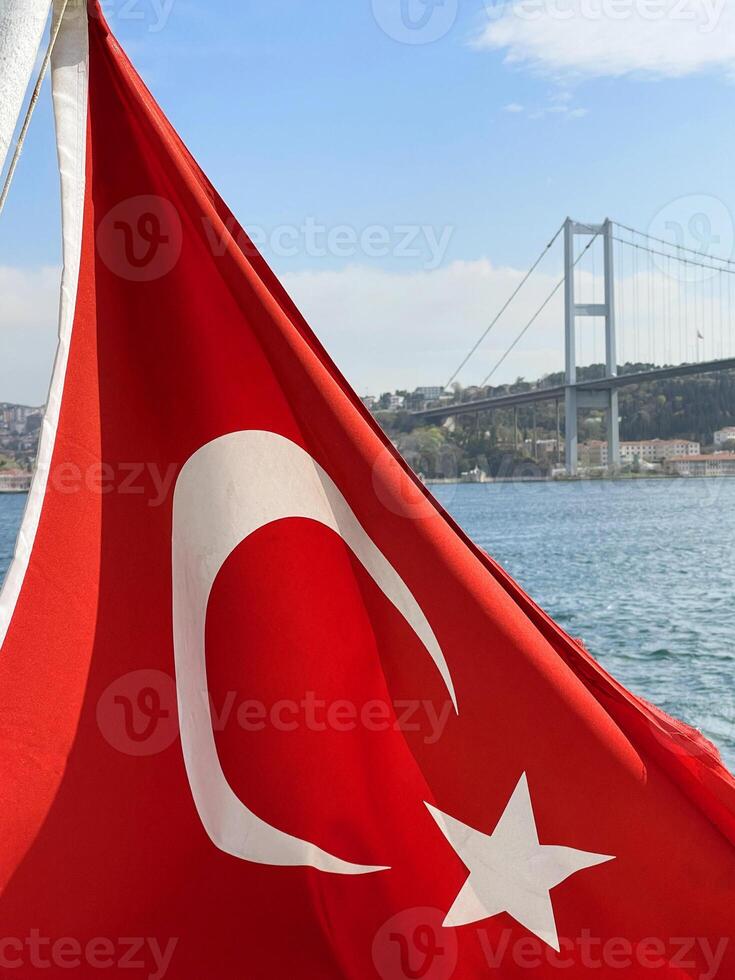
679	306
505	306
681	300
674	302
539	311
676	258
662	241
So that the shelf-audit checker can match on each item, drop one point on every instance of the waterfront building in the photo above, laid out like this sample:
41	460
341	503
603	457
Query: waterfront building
723	436
545	446
657	450
15	481
593	454
714	464
429	392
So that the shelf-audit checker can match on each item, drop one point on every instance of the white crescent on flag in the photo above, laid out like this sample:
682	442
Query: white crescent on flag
225	492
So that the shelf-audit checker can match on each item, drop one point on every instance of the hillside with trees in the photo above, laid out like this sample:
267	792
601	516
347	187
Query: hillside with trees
502	442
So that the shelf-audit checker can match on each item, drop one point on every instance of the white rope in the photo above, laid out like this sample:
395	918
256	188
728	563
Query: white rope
31	107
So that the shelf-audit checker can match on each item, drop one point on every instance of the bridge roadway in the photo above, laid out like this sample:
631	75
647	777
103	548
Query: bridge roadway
556	392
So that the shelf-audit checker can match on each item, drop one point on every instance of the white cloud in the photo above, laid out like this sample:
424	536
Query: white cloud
28	297
659	38
384	329
29	305
558	103
563	111
391	330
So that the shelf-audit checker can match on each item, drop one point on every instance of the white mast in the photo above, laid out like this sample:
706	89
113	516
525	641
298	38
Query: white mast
22	24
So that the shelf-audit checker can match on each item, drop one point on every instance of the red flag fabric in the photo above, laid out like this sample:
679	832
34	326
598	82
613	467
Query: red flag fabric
265	711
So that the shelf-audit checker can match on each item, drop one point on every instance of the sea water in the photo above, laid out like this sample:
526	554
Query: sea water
643	571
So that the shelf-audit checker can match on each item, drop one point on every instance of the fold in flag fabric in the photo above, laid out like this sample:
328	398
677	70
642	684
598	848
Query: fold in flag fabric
265	711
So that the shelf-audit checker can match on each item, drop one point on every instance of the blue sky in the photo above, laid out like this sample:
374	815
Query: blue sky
481	140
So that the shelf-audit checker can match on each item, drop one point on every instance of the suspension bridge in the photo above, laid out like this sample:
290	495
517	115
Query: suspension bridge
659	303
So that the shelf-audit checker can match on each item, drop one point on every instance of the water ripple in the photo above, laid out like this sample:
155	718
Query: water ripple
642	571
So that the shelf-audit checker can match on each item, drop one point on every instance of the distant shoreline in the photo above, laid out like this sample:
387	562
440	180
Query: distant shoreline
601	478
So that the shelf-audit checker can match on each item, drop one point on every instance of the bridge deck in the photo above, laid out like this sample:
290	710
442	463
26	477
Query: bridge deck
556	392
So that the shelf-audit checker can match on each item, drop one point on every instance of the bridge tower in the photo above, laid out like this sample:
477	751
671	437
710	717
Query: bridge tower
605	397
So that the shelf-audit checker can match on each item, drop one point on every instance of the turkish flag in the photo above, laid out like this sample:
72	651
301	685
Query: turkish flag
265	711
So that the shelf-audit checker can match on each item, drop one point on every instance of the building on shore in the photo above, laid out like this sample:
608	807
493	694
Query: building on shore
723	436
714	464
430	393
544	447
657	450
593	454
15	481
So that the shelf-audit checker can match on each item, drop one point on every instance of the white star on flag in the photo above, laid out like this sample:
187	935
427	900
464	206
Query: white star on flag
509	870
